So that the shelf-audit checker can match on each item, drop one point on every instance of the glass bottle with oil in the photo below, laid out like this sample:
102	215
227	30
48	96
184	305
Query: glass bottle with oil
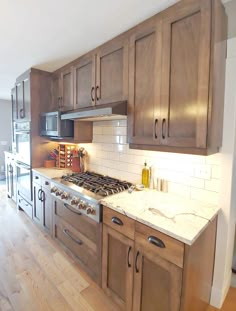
145	175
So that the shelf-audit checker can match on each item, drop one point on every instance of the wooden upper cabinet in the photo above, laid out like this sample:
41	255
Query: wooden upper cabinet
185	75
13	103
112	72
66	85
56	92
176	79
23	97
144	84
84	82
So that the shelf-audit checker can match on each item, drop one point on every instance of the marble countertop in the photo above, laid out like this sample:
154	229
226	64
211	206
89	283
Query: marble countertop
53	172
177	217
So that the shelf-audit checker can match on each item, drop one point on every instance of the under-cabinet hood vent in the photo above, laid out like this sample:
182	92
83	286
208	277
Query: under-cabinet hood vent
113	111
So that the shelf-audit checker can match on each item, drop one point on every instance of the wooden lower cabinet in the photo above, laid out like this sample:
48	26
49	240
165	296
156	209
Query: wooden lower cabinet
157	283
37	204
153	271
117	265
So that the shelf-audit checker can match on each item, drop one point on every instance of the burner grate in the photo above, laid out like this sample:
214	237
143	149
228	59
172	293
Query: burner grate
97	183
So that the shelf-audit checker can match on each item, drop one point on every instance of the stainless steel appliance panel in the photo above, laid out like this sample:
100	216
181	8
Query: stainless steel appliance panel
24	181
22	141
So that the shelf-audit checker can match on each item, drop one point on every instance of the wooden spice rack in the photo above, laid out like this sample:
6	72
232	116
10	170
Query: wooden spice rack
64	155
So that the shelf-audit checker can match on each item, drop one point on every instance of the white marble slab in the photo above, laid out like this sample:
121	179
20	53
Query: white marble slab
179	218
51	172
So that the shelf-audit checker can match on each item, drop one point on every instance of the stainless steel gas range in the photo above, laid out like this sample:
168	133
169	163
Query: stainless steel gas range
83	191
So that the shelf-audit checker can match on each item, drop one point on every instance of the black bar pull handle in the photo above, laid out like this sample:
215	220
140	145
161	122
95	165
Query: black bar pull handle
128	262
92	94
156	241
117	221
136	261
67	233
43	196
97	93
155	128
162	129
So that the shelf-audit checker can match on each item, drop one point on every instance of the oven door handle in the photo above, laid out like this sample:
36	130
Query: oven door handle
22	132
67	233
72	210
22	165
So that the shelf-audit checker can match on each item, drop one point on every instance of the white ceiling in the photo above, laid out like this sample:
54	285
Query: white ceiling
49	33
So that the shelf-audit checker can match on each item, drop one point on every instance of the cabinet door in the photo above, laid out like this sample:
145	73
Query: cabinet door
47	210
26	96
157	283
13	102
112	72
56	94
20	100
144	84
37	204
185	74
67	90
117	267
84	82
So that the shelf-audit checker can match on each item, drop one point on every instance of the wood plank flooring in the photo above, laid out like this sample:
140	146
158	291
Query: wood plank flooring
35	274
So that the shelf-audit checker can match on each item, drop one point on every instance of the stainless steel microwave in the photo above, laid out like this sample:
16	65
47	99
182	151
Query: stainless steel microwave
51	125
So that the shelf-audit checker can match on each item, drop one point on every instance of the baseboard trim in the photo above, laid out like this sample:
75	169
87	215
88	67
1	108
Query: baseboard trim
218	295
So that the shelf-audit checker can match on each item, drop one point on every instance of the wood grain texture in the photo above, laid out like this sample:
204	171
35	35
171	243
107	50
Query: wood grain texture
84	81
67	101
126	229
157	282
145	49
117	276
173	251
112	72
198	270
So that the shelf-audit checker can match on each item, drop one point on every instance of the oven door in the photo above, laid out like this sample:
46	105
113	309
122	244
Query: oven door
23	176
22	142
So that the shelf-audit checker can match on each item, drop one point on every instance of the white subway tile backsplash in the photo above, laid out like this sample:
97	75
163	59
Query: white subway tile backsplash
109	154
212	185
204	195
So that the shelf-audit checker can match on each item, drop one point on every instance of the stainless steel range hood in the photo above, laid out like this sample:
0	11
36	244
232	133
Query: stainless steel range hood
114	111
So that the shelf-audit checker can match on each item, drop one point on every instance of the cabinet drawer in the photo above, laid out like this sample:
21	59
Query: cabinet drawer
37	178
119	222
79	246
85	225
45	182
153	241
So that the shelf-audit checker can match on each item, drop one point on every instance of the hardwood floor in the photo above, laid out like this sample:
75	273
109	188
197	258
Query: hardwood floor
35	274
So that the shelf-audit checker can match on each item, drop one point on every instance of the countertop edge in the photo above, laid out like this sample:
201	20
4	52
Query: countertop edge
169	233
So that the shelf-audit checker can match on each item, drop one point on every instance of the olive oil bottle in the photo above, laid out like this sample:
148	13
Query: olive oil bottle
145	175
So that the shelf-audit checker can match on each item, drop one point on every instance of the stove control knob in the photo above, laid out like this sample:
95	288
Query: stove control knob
82	205
75	201
54	189
58	192
65	195
90	210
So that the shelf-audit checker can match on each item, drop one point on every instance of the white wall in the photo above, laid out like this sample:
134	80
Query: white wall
5	128
226	224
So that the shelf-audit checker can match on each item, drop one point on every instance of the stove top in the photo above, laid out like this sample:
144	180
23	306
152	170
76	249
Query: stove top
96	183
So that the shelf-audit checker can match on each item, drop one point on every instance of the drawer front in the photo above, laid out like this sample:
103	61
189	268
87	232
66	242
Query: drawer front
46	183
153	241
84	251
85	225
119	222
25	206
37	178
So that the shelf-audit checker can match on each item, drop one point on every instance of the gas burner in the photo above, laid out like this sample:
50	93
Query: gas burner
97	183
